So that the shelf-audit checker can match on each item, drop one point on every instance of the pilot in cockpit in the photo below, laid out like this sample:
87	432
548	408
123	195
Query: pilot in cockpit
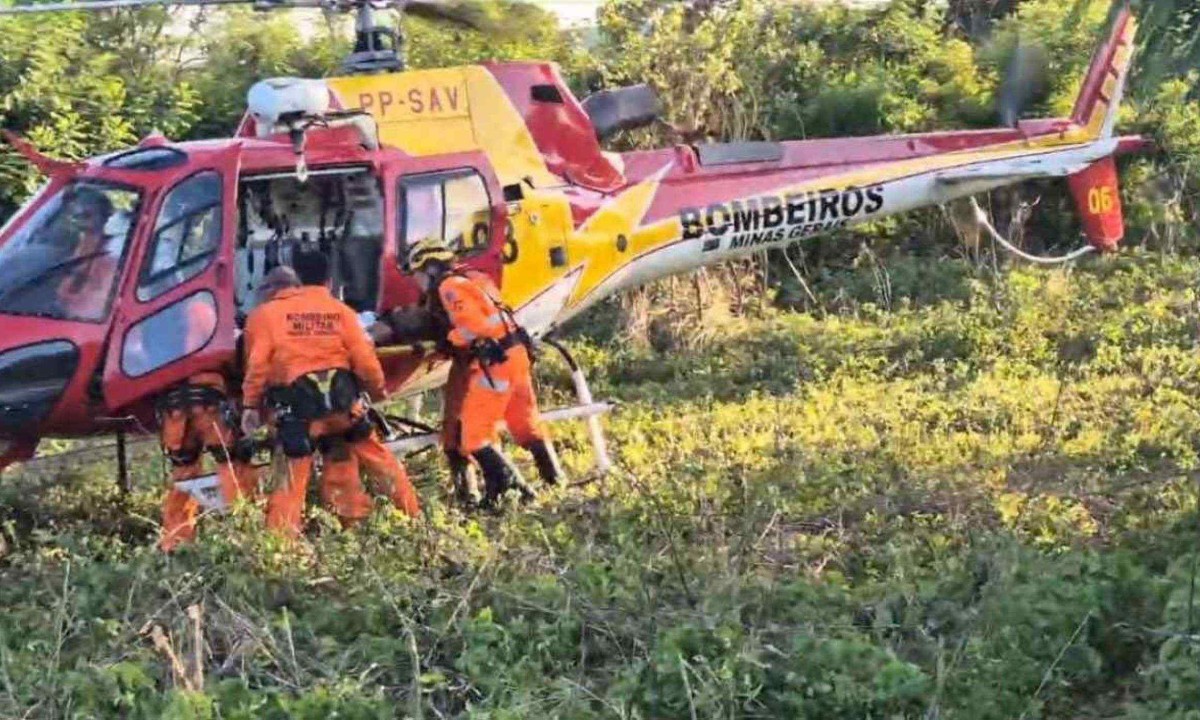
85	290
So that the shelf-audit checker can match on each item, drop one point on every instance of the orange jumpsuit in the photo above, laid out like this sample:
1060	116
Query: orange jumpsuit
186	432
500	392
189	428
305	330
457	383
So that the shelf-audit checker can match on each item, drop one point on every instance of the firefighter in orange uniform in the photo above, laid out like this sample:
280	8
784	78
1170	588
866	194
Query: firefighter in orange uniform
314	345
196	416
428	323
494	382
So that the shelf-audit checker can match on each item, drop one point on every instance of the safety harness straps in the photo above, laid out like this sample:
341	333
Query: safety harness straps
313	396
316	394
488	352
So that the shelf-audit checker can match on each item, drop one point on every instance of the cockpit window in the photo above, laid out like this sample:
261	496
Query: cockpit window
187	235
64	260
147	159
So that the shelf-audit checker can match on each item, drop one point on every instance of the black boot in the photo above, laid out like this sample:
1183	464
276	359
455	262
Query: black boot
462	474
499	474
547	461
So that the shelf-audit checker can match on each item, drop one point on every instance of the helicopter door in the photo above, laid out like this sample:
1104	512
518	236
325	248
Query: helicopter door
176	314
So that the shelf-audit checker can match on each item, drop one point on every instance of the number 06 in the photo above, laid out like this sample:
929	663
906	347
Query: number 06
1100	199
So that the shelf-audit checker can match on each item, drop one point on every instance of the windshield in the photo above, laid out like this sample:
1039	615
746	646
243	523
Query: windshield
64	260
29	202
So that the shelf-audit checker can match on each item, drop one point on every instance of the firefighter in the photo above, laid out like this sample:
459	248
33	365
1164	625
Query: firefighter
427	323
278	278
494	381
194	417
314	347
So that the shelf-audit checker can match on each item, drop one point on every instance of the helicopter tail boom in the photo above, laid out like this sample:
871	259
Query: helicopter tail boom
692	206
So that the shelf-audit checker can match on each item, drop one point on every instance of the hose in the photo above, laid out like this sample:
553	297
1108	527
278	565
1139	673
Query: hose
982	219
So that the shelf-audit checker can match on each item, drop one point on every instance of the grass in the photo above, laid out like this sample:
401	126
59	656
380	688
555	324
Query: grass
975	504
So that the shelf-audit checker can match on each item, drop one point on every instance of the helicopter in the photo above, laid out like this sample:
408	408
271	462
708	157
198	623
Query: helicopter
501	160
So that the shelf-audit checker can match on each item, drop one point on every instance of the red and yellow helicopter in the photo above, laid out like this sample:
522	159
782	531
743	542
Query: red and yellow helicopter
103	270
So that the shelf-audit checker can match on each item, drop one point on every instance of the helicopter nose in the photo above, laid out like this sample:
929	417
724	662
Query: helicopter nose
32	379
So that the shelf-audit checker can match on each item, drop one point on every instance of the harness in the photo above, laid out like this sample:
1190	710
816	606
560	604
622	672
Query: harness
187	396
316	394
486	351
310	397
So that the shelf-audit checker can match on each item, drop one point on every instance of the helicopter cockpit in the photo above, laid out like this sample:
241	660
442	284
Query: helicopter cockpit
337	210
63	262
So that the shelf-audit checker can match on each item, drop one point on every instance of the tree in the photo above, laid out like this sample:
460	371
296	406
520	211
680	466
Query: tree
712	66
975	18
73	95
511	31
1170	30
242	47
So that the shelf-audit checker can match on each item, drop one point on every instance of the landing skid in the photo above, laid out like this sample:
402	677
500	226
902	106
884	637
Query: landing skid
584	395
408	444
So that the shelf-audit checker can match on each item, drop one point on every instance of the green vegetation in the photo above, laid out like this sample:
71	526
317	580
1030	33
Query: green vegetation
982	506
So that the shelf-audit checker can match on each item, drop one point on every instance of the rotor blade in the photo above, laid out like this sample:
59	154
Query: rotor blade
113	4
1024	81
467	14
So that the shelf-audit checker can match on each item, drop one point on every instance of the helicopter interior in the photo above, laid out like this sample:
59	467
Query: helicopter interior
339	211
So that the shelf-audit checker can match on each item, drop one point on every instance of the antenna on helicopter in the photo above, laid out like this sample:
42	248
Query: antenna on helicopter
377	47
